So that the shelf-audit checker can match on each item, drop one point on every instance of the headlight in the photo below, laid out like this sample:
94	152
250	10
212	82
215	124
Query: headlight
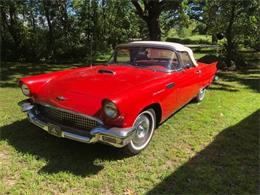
110	109
25	89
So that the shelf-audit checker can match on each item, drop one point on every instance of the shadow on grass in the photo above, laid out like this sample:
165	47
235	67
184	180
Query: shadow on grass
252	82
229	165
62	155
223	87
10	72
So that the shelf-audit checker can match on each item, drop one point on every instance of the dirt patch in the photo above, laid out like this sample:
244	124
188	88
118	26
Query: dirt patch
4	157
9	181
129	191
106	190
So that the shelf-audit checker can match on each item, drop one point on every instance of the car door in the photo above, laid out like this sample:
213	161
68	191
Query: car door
188	81
181	84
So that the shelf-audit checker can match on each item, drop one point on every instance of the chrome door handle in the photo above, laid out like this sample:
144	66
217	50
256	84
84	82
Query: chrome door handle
170	85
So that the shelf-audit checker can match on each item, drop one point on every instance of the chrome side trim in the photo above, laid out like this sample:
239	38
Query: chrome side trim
72	112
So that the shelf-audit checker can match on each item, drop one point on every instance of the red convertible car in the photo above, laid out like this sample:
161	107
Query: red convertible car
119	103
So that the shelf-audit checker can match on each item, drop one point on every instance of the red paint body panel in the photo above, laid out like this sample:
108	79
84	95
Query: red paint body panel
130	88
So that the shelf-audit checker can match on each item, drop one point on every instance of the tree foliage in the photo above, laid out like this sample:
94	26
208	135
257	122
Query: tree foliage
69	30
61	30
150	11
238	21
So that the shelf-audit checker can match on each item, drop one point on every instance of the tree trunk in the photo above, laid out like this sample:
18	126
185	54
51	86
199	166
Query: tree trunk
214	39
13	27
151	14
153	25
229	36
64	20
50	33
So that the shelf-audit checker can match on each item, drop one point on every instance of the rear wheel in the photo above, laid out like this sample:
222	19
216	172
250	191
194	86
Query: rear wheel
200	95
144	128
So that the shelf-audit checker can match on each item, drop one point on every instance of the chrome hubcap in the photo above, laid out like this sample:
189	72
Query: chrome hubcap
201	94
143	128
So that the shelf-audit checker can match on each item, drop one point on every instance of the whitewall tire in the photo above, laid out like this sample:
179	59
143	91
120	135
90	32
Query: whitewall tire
144	125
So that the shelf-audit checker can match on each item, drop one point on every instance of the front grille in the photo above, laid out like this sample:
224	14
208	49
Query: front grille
67	118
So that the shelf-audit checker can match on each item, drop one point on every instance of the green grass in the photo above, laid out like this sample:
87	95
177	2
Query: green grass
205	148
189	38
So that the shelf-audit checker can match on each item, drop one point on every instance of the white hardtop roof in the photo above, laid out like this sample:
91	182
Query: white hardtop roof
170	45
175	46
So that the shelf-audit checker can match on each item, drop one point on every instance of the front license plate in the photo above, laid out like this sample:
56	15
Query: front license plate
54	130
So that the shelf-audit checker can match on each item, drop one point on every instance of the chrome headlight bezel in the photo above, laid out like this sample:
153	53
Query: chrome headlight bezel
25	89
110	109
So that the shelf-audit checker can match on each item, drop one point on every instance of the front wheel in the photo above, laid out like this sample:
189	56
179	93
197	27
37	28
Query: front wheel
200	95
144	128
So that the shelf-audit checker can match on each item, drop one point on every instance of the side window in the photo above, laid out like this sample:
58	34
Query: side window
175	62
185	60
123	55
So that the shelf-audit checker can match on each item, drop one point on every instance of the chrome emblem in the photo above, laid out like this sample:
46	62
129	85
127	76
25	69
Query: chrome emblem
61	98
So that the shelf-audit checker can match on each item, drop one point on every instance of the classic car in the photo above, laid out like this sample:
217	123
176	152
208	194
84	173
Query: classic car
121	102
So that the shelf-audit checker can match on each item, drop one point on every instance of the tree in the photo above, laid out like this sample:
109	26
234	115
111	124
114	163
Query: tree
11	24
49	14
234	19
64	30
150	11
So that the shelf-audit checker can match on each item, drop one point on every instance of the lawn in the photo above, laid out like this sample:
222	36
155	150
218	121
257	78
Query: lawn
205	148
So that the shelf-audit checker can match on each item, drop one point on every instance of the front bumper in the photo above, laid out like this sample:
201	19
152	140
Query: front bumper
118	137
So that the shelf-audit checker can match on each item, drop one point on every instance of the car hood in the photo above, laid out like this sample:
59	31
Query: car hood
83	89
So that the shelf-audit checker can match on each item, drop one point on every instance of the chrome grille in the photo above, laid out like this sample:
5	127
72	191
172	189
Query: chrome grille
67	118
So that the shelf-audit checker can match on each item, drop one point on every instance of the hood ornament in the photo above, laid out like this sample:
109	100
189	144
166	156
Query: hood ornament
61	98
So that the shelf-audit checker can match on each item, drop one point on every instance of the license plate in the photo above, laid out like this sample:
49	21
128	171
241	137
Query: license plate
54	130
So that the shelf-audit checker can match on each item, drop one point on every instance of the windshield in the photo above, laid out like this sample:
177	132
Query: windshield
146	57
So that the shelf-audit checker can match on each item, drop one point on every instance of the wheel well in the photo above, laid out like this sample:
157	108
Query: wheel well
158	111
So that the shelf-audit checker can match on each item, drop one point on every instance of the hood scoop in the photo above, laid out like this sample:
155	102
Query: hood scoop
103	71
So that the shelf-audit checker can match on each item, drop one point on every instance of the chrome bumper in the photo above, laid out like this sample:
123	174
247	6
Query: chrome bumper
118	137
